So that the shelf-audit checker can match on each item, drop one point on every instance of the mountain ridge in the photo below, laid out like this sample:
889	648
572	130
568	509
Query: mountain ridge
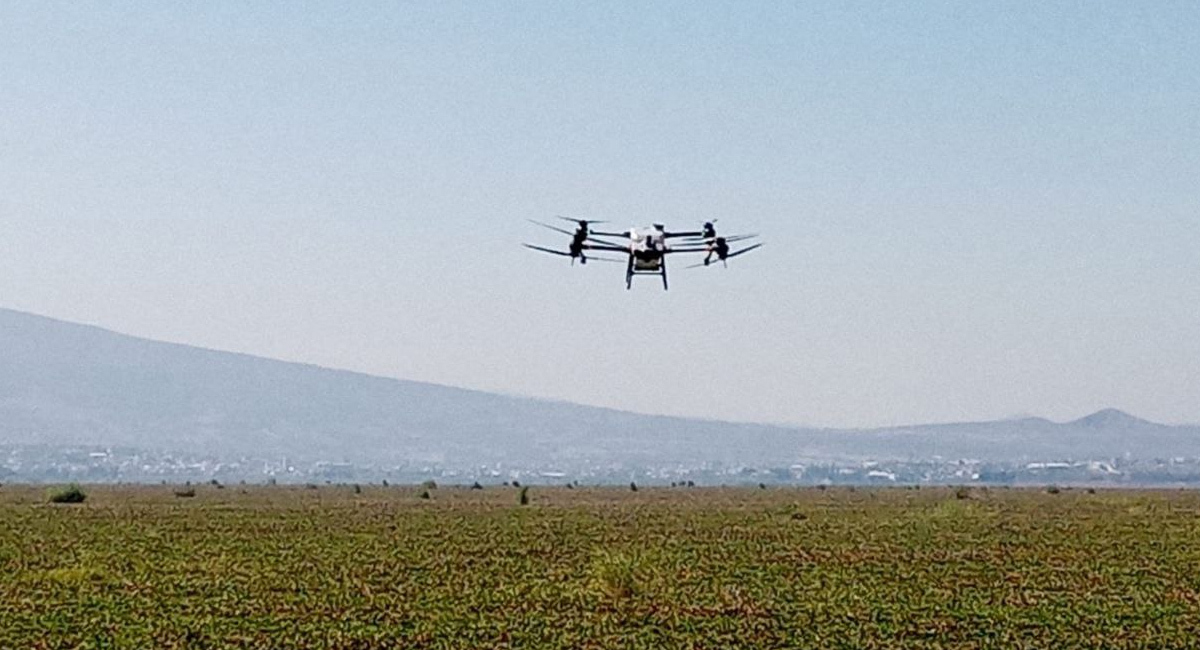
69	383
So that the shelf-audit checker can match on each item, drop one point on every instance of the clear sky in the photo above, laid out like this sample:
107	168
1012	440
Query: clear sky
972	209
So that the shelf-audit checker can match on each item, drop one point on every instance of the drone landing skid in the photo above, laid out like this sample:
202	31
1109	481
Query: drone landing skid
633	270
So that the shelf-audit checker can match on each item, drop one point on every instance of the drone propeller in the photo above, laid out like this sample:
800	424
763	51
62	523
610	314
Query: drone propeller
582	258
548	250
744	250
724	258
581	222
554	228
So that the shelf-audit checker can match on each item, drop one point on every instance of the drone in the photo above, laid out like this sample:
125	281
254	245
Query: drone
646	249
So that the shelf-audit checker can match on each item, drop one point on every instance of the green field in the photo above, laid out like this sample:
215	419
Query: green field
297	567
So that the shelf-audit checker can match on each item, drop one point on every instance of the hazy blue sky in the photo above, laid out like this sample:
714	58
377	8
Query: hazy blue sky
972	209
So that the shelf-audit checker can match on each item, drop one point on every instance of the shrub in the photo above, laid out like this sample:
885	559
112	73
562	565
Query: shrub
1053	489
385	483
619	576
476	486
762	486
425	494
357	488
632	486
523	498
70	494
963	492
516	484
185	492
429	485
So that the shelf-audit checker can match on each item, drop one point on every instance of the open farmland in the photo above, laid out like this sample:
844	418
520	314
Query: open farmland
332	567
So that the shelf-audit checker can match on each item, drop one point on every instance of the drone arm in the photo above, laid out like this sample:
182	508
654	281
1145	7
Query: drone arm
605	247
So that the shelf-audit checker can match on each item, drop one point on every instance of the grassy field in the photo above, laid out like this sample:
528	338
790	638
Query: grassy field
293	567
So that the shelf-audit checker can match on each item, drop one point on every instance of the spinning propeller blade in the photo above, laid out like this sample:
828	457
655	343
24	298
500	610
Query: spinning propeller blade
548	250
744	250
554	228
713	262
579	221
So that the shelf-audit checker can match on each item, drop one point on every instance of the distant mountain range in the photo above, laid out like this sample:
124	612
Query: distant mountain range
68	384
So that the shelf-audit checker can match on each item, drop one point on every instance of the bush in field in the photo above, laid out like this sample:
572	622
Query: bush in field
69	494
632	487
1053	489
523	499
424	494
963	492
429	485
476	486
357	488
619	576
185	492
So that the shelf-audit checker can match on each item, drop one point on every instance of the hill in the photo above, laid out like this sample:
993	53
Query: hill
68	384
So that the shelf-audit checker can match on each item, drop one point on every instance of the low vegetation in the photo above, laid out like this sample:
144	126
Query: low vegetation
291	567
70	494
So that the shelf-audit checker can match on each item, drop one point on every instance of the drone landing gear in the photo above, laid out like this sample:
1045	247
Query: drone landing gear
630	271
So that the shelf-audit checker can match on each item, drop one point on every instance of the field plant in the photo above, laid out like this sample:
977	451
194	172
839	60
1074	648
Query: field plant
70	494
620	575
